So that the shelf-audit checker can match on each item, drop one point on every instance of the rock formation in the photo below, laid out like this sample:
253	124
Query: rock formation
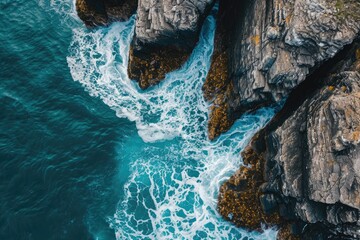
273	46
165	30
302	170
101	12
305	164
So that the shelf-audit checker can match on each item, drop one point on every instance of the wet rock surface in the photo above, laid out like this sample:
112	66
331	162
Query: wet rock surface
274	45
150	68
102	12
302	170
168	22
216	87
165	34
310	153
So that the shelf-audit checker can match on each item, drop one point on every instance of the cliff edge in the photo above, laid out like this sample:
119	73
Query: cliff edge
302	171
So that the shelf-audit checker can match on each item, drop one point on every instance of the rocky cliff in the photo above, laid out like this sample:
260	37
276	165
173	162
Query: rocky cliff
272	47
164	30
304	165
302	171
167	29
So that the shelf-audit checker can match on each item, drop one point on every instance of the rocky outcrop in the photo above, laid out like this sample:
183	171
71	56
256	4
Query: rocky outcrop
302	170
273	46
217	80
102	12
307	159
165	34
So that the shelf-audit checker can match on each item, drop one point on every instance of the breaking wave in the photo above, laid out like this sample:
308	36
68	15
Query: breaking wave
174	170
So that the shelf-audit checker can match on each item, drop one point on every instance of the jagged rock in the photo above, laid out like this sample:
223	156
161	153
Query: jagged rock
164	30
217	79
101	12
169	22
274	45
165	34
311	154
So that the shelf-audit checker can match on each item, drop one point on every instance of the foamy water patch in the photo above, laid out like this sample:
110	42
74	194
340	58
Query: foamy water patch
65	9
173	186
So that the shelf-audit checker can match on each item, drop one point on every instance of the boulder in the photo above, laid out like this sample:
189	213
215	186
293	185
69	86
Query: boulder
165	34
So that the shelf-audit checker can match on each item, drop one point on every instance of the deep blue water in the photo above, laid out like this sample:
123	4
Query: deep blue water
85	154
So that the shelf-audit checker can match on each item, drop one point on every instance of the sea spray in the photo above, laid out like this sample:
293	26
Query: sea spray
175	171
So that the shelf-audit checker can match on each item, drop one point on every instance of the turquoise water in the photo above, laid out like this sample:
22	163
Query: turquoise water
86	154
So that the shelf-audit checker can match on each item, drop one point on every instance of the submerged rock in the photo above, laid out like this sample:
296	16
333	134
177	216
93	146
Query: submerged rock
309	158
101	12
273	46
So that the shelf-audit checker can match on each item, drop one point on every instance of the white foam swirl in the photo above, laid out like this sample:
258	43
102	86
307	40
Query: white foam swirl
176	173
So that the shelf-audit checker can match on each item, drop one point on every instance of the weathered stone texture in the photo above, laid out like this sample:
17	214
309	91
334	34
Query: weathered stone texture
311	153
276	44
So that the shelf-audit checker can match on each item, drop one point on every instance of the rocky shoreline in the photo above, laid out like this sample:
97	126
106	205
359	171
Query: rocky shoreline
302	171
303	164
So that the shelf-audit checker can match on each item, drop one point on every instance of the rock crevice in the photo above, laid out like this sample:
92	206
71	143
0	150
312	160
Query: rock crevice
274	45
311	156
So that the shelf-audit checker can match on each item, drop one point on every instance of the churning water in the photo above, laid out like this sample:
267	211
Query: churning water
143	170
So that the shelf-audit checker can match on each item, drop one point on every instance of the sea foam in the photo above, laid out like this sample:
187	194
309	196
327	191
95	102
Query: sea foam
176	172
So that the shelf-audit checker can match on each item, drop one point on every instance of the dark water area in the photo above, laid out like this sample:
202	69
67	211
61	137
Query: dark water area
74	166
57	158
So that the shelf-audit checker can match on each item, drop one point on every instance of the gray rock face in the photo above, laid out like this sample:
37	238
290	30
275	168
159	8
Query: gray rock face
311	154
169	22
316	154
165	29
333	139
278	43
318	146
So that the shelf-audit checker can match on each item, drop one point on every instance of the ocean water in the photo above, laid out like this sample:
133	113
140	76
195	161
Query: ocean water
86	154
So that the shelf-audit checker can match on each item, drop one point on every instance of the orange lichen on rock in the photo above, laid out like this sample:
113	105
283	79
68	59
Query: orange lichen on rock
331	88
150	68
288	19
355	136
256	40
239	196
343	88
357	63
